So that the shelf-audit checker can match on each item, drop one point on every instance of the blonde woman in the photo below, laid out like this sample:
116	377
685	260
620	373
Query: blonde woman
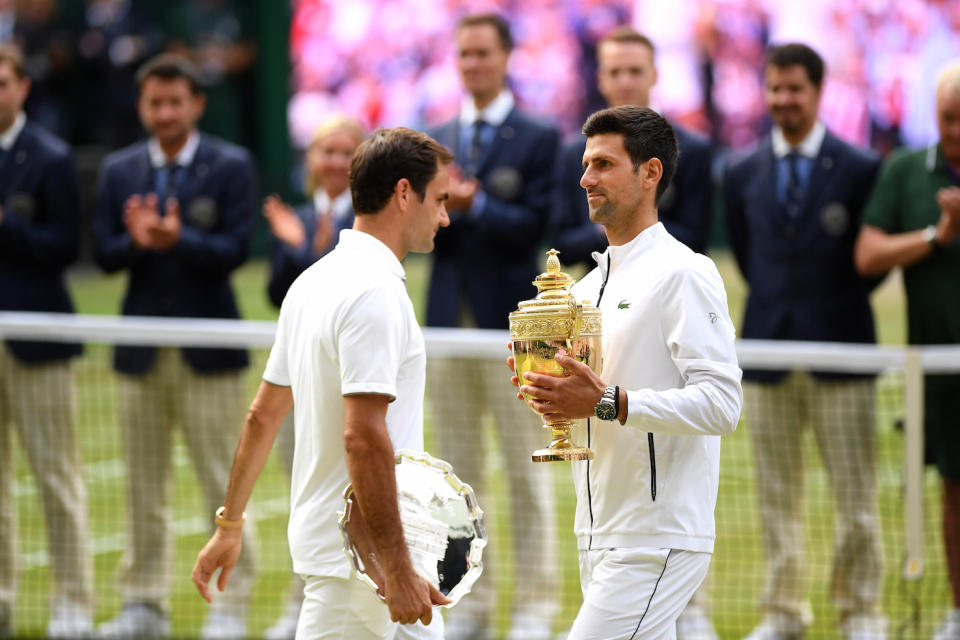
305	234
301	236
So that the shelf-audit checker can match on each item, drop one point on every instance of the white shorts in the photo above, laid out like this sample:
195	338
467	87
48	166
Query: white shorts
346	609
636	593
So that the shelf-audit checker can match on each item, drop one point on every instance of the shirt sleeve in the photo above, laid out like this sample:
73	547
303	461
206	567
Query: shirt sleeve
277	371
699	335
883	206
370	343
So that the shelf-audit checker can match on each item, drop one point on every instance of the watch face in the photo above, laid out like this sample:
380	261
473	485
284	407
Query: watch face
605	410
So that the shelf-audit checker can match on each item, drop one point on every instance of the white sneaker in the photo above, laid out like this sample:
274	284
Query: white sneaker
694	624
69	620
286	627
223	626
528	627
135	621
865	626
950	629
777	626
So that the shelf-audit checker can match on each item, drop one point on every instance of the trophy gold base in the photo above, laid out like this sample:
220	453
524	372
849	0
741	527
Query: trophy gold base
562	455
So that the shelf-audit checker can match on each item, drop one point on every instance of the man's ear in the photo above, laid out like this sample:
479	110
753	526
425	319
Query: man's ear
651	172
402	191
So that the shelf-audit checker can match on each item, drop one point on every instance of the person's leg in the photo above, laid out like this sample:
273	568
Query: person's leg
843	419
144	413
532	505
951	534
775	416
8	505
342	609
286	625
42	406
638	593
212	410
457	435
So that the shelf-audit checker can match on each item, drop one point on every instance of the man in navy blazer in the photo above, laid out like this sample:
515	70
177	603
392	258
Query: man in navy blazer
176	212
793	209
39	232
626	73
483	265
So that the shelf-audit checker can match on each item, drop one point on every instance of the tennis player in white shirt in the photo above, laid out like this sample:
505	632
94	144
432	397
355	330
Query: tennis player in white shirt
668	389
349	358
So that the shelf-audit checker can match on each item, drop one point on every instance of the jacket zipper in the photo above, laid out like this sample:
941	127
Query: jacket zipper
589	431
653	468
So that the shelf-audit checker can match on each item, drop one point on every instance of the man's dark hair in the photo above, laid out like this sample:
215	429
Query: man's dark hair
388	156
646	134
628	35
495	21
795	53
170	66
13	55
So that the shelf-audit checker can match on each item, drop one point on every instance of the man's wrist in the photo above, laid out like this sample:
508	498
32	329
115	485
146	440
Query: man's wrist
622	401
226	523
931	235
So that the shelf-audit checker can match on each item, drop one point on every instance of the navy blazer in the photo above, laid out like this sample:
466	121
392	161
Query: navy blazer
217	197
287	263
684	209
39	234
487	260
803	284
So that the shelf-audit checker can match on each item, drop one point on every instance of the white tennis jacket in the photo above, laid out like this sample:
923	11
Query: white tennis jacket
668	340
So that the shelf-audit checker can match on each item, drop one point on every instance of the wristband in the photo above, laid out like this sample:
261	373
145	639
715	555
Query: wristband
228	524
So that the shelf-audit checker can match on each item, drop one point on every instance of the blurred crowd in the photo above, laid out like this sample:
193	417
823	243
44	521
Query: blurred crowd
391	62
81	57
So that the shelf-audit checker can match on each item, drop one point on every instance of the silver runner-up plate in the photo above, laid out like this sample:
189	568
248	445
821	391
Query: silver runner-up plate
442	524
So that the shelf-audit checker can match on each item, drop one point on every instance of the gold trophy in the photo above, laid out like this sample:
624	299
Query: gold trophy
542	326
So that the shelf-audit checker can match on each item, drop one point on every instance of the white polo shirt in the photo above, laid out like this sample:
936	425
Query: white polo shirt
346	326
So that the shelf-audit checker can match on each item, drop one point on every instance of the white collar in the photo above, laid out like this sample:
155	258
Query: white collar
619	253
361	241
183	158
339	207
9	137
809	147
494	113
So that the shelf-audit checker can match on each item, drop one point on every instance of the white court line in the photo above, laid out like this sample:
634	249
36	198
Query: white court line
114	542
112	469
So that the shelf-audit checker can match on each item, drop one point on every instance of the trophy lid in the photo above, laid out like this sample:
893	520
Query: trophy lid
552	278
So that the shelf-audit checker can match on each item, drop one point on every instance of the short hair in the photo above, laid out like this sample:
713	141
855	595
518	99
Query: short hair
333	123
388	156
12	54
170	66
949	77
495	21
796	53
646	134
628	35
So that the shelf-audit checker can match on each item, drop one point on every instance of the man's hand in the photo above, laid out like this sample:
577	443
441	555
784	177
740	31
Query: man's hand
410	597
139	215
222	550
948	227
165	231
568	397
284	223
461	191
512	365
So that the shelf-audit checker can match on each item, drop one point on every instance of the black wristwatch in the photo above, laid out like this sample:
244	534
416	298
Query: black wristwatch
608	407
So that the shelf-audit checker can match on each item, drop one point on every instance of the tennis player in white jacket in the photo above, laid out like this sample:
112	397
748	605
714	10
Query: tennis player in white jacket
668	389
